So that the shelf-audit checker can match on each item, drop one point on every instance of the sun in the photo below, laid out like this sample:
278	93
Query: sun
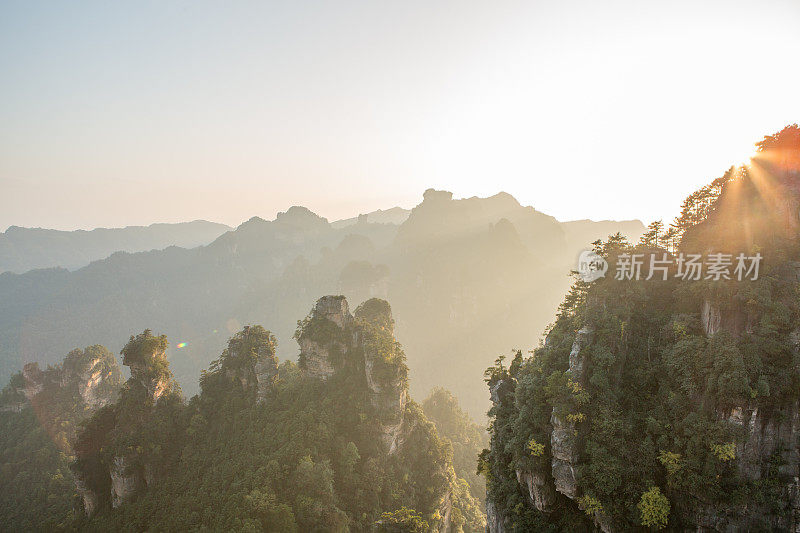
742	153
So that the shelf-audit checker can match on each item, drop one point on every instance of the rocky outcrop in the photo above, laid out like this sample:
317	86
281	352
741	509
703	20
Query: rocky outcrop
124	481
563	442
265	368
62	397
391	435
335	309
446	510
317	359
541	490
711	317
100	480
332	340
715	319
390	401
146	357
494	519
542	481
250	360
501	390
88	385
583	339
320	345
155	383
23	388
89	497
768	440
34	380
564	437
89	372
91	377
766	436
714	400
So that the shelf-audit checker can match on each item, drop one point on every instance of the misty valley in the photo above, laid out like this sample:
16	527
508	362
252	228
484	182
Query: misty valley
400	267
249	395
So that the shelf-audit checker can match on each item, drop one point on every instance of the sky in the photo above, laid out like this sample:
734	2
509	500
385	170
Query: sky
129	113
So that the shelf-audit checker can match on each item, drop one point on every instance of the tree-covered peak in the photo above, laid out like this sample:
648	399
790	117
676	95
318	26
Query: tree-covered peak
377	313
144	349
669	402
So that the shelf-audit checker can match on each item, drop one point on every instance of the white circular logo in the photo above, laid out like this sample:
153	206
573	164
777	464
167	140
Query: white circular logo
591	266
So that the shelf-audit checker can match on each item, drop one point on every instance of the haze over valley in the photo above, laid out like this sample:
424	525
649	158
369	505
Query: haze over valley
400	267
467	279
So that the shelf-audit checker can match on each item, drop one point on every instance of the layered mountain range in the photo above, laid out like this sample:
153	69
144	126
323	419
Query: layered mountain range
23	249
467	278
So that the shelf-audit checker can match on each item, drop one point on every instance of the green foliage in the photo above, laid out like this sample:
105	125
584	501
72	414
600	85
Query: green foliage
37	490
36	486
403	520
654	508
590	504
537	450
235	367
377	313
724	452
465	437
142	348
309	456
671	461
658	400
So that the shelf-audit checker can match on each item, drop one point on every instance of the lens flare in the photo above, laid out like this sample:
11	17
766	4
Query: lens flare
181	345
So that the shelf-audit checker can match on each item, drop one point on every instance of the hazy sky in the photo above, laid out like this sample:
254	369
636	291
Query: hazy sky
117	113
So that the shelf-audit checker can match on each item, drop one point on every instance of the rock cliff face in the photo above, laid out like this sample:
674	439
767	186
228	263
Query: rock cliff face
34	380
266	368
564	438
336	344
96	376
335	309
146	361
541	490
250	360
23	388
768	451
680	408
124	481
542	482
63	396
90	378
363	346
494	519
110	466
90	498
146	357
318	359
767	440
320	347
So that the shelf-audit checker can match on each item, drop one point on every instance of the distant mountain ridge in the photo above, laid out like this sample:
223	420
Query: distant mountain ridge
394	215
467	277
23	249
